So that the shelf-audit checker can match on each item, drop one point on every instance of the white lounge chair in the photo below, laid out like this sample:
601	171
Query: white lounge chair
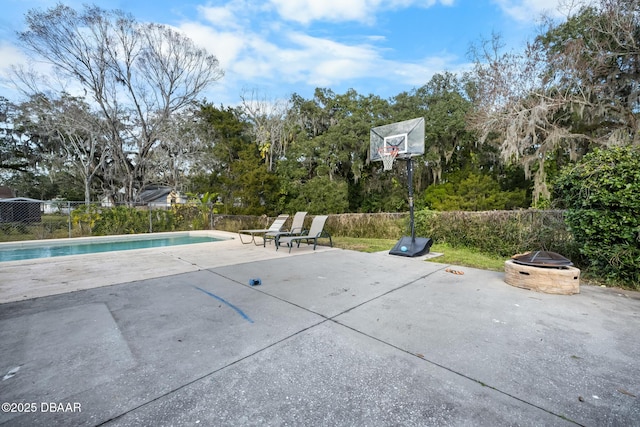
316	231
275	227
297	228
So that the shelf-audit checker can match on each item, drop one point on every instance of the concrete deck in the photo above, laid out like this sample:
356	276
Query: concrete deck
176	336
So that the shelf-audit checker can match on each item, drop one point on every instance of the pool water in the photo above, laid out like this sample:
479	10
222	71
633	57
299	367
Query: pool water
55	250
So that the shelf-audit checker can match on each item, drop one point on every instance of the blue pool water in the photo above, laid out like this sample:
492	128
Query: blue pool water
55	250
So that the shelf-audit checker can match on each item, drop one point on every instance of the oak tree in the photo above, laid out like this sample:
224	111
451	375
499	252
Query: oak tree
135	75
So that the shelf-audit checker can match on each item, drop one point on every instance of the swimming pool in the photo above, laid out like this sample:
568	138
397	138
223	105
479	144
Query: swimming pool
62	247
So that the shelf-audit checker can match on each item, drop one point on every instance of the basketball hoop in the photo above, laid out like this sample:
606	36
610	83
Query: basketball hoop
388	155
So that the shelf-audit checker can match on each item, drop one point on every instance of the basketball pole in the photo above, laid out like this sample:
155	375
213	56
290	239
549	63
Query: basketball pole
402	141
411	218
411	246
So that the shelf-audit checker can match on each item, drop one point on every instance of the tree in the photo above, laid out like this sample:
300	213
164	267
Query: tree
254	189
137	76
575	87
471	191
516	111
596	56
232	166
15	151
602	196
181	143
270	128
332	143
32	158
79	134
444	104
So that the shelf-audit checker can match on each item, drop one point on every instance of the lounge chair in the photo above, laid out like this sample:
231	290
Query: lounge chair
316	231
297	228
275	226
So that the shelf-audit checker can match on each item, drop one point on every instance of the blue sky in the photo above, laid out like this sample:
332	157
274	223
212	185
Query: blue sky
277	47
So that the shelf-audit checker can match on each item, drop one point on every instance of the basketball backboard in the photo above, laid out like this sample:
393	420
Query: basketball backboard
406	136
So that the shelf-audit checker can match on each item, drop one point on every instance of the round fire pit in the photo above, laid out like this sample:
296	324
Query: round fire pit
542	271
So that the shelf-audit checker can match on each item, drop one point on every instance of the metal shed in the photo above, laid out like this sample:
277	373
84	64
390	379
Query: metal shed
20	209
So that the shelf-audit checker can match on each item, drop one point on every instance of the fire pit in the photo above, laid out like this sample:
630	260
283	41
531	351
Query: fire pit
542	271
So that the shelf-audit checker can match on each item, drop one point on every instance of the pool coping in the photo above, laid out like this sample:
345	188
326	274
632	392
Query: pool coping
39	277
23	244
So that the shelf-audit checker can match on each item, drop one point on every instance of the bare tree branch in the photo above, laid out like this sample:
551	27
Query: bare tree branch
136	75
576	86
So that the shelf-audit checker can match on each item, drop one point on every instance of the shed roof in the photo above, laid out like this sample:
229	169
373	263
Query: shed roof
19	199
152	194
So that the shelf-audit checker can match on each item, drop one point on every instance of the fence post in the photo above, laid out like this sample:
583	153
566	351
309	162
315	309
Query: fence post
150	220
69	216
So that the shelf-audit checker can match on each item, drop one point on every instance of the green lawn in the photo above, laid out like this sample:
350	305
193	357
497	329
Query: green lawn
454	256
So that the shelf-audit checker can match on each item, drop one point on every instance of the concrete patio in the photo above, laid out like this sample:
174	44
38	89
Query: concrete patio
176	336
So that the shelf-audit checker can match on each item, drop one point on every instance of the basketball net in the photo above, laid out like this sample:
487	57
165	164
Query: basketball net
388	155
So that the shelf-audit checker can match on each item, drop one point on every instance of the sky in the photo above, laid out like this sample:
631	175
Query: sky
274	48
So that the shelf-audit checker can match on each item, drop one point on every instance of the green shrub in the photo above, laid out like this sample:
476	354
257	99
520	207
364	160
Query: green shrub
378	226
473	192
320	194
602	195
233	223
184	217
121	220
162	220
85	217
501	233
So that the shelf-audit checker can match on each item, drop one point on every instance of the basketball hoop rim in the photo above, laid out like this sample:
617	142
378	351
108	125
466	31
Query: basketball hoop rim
389	150
388	156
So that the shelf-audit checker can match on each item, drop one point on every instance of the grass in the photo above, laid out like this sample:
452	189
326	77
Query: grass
463	257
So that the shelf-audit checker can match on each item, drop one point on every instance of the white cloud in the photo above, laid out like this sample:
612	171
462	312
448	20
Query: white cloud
10	56
251	52
323	62
528	10
222	16
307	11
274	55
420	72
225	45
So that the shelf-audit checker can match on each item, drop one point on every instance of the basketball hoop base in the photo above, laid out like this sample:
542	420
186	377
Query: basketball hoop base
412	247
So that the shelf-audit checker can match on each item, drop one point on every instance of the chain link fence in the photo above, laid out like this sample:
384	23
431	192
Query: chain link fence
503	233
26	219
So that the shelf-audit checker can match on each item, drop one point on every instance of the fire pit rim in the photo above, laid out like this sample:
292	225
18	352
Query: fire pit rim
543	259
